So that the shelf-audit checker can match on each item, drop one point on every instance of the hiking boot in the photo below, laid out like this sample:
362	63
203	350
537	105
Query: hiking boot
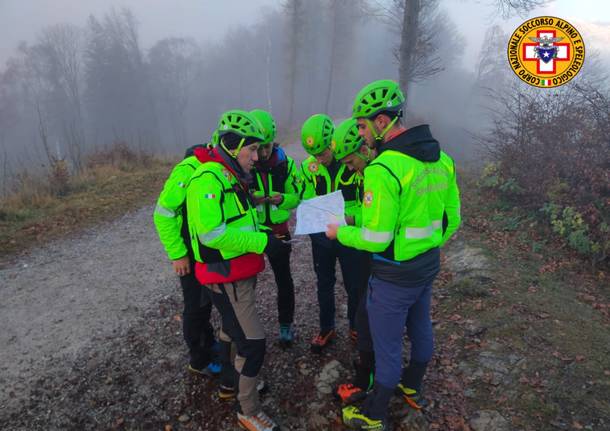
349	393
226	393
354	419
211	370
286	335
411	397
322	340
259	422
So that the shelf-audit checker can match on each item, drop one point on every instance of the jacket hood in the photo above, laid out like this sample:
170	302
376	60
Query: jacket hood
218	155
416	142
190	151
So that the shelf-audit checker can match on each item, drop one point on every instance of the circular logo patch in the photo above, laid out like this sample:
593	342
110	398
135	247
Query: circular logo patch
368	199
228	175
546	51
313	167
309	141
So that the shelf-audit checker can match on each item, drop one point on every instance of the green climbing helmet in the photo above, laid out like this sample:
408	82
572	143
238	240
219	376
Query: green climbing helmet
214	140
346	139
376	97
267	124
316	133
241	123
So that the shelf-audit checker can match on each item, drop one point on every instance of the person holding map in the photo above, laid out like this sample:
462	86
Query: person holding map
321	174
350	149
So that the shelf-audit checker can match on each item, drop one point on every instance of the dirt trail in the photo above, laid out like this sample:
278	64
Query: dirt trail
56	300
91	339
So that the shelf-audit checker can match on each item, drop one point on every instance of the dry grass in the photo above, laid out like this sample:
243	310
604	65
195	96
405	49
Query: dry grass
108	188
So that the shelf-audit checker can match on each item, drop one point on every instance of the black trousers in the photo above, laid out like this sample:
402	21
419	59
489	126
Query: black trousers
197	329
355	267
285	286
365	341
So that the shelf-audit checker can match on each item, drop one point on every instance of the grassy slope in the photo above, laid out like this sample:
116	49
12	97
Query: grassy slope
102	194
545	316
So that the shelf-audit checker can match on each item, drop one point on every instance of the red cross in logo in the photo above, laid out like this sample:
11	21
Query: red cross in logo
529	53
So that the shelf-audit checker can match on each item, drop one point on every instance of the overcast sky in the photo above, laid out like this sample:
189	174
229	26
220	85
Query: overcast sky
201	19
207	20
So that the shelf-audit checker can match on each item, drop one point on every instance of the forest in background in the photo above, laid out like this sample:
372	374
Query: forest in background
79	92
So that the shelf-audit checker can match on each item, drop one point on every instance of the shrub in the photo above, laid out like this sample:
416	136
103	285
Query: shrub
551	151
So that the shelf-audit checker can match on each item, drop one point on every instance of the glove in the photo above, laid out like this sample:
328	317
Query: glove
275	246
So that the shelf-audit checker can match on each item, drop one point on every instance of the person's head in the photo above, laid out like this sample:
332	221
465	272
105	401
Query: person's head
378	109
265	149
240	134
348	146
316	134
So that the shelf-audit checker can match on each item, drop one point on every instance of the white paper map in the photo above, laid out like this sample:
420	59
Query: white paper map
314	214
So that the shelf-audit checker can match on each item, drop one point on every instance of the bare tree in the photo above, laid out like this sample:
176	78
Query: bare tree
508	8
118	87
5	173
491	65
37	91
61	49
428	38
173	65
344	17
295	23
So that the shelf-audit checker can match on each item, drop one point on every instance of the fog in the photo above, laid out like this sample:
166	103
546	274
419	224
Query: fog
156	75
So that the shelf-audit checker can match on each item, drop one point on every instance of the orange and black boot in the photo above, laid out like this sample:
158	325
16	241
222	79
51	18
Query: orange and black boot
350	393
322	340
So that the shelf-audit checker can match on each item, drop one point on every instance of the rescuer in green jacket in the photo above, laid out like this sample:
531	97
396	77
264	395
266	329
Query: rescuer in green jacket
228	247
349	148
171	224
276	192
321	174
410	208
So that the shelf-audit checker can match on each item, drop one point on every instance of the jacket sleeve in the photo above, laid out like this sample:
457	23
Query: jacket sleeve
379	213
307	187
355	210
205	196
292	188
168	212
452	209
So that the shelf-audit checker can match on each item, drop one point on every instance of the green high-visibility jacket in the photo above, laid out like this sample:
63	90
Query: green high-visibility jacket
317	181
282	178
169	215
222	221
410	205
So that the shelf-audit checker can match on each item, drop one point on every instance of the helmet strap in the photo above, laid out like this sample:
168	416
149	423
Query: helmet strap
366	158
379	136
235	152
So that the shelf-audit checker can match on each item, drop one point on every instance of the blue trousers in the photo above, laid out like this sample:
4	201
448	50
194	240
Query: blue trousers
389	306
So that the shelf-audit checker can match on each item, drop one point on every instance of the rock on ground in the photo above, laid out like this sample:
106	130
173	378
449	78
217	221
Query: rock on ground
489	420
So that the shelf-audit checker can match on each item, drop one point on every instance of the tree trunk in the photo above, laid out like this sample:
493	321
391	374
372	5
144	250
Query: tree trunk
408	42
333	43
269	46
